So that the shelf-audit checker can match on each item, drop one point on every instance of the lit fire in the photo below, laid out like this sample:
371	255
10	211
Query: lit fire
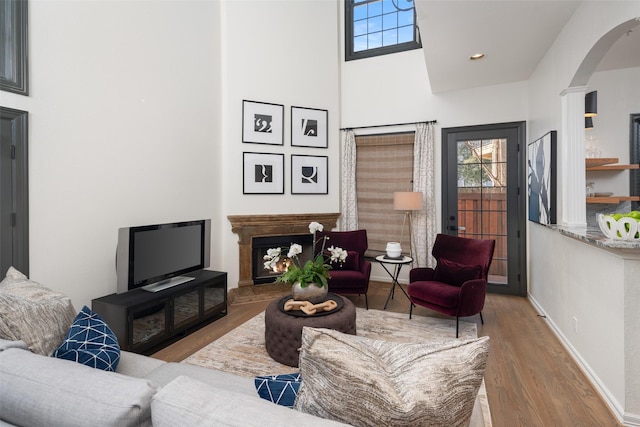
282	265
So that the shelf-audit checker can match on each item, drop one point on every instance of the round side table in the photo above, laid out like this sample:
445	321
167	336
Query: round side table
283	332
397	266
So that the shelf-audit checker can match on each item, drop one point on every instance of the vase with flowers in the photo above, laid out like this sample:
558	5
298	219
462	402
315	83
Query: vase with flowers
308	280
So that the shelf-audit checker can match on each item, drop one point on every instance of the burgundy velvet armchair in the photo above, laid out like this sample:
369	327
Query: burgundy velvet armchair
458	284
352	277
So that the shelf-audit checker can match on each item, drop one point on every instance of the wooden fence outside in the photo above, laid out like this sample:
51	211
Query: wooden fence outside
483	213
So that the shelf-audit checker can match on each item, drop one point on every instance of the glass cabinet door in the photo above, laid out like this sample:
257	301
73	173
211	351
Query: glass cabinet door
149	324
186	309
214	295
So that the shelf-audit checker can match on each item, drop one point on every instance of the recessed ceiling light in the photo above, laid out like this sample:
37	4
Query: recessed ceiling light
476	56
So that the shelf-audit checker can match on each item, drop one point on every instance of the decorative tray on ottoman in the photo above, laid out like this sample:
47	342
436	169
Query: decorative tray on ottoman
299	313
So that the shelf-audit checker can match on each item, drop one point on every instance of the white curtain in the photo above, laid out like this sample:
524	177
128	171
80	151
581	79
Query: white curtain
349	206
424	221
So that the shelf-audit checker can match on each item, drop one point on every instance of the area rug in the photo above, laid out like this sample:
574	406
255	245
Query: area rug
242	350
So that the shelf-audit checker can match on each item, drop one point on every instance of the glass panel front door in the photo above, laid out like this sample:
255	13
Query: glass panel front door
482	199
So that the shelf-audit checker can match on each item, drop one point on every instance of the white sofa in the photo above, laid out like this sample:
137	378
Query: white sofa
343	375
37	390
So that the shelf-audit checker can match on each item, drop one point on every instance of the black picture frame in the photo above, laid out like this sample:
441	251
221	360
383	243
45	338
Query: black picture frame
14	69
542	178
309	127
309	174
262	173
262	123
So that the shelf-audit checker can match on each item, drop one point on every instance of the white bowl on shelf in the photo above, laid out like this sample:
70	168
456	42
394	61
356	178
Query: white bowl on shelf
394	250
625	228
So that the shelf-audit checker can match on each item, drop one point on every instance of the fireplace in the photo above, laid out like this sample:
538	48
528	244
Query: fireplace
249	226
260	245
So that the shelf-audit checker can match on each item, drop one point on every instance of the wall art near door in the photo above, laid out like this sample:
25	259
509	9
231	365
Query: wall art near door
309	127
262	123
309	174
542	176
262	173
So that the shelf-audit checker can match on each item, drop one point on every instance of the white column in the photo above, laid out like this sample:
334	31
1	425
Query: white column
571	164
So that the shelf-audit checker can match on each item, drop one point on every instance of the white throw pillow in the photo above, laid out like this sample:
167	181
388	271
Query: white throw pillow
368	382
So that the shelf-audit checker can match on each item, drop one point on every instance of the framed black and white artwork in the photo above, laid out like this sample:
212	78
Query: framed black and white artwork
542	179
309	127
262	123
263	173
309	174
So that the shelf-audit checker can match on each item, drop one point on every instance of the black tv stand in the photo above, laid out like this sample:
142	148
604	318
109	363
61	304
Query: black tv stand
145	322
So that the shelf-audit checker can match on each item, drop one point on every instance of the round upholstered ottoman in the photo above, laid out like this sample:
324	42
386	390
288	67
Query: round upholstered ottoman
283	332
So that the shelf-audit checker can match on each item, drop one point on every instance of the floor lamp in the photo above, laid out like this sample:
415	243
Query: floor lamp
407	201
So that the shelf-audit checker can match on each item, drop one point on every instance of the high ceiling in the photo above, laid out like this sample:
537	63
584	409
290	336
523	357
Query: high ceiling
514	35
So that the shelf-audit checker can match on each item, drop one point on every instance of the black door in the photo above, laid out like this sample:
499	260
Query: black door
483	196
14	218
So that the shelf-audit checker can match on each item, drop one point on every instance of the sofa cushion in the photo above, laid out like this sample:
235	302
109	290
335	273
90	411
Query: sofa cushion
38	390
212	377
279	389
90	342
137	365
368	382
455	273
7	344
188	402
33	313
438	293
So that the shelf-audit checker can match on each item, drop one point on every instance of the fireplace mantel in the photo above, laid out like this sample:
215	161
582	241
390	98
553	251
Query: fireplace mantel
249	226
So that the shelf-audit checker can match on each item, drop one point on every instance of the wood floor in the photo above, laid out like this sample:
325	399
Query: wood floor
531	379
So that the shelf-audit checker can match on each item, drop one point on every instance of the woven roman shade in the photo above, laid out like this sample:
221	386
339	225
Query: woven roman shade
384	165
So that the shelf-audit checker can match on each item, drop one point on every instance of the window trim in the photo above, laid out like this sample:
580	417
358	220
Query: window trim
350	55
14	17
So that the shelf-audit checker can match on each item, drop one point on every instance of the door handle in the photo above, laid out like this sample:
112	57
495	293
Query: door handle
456	228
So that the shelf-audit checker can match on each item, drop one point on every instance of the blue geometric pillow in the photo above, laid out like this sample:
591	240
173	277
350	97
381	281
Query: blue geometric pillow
90	342
279	389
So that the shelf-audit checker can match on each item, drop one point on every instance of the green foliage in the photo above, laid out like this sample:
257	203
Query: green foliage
315	271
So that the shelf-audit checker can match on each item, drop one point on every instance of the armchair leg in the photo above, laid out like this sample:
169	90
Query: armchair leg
481	319
366	302
410	310
457	324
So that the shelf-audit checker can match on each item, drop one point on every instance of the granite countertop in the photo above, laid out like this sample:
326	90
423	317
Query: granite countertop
594	236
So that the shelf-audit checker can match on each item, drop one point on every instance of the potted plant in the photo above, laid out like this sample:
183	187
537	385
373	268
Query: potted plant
309	281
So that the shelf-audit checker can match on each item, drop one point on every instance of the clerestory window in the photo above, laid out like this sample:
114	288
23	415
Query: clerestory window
380	27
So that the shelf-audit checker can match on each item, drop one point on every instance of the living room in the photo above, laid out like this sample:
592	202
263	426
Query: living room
135	112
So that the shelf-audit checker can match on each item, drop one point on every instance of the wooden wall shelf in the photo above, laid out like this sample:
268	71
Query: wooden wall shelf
593	162
613	199
609	164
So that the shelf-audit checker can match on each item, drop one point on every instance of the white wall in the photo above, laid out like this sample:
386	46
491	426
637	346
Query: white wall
406	97
618	97
592	290
124	129
581	290
135	118
282	52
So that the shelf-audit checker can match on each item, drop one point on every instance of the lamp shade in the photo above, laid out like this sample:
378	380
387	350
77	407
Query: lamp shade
591	104
407	201
588	123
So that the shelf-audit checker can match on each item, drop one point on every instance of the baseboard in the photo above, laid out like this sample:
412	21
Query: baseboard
613	404
631	420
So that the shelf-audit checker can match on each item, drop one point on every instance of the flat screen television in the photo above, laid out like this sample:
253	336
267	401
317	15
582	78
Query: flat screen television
154	257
